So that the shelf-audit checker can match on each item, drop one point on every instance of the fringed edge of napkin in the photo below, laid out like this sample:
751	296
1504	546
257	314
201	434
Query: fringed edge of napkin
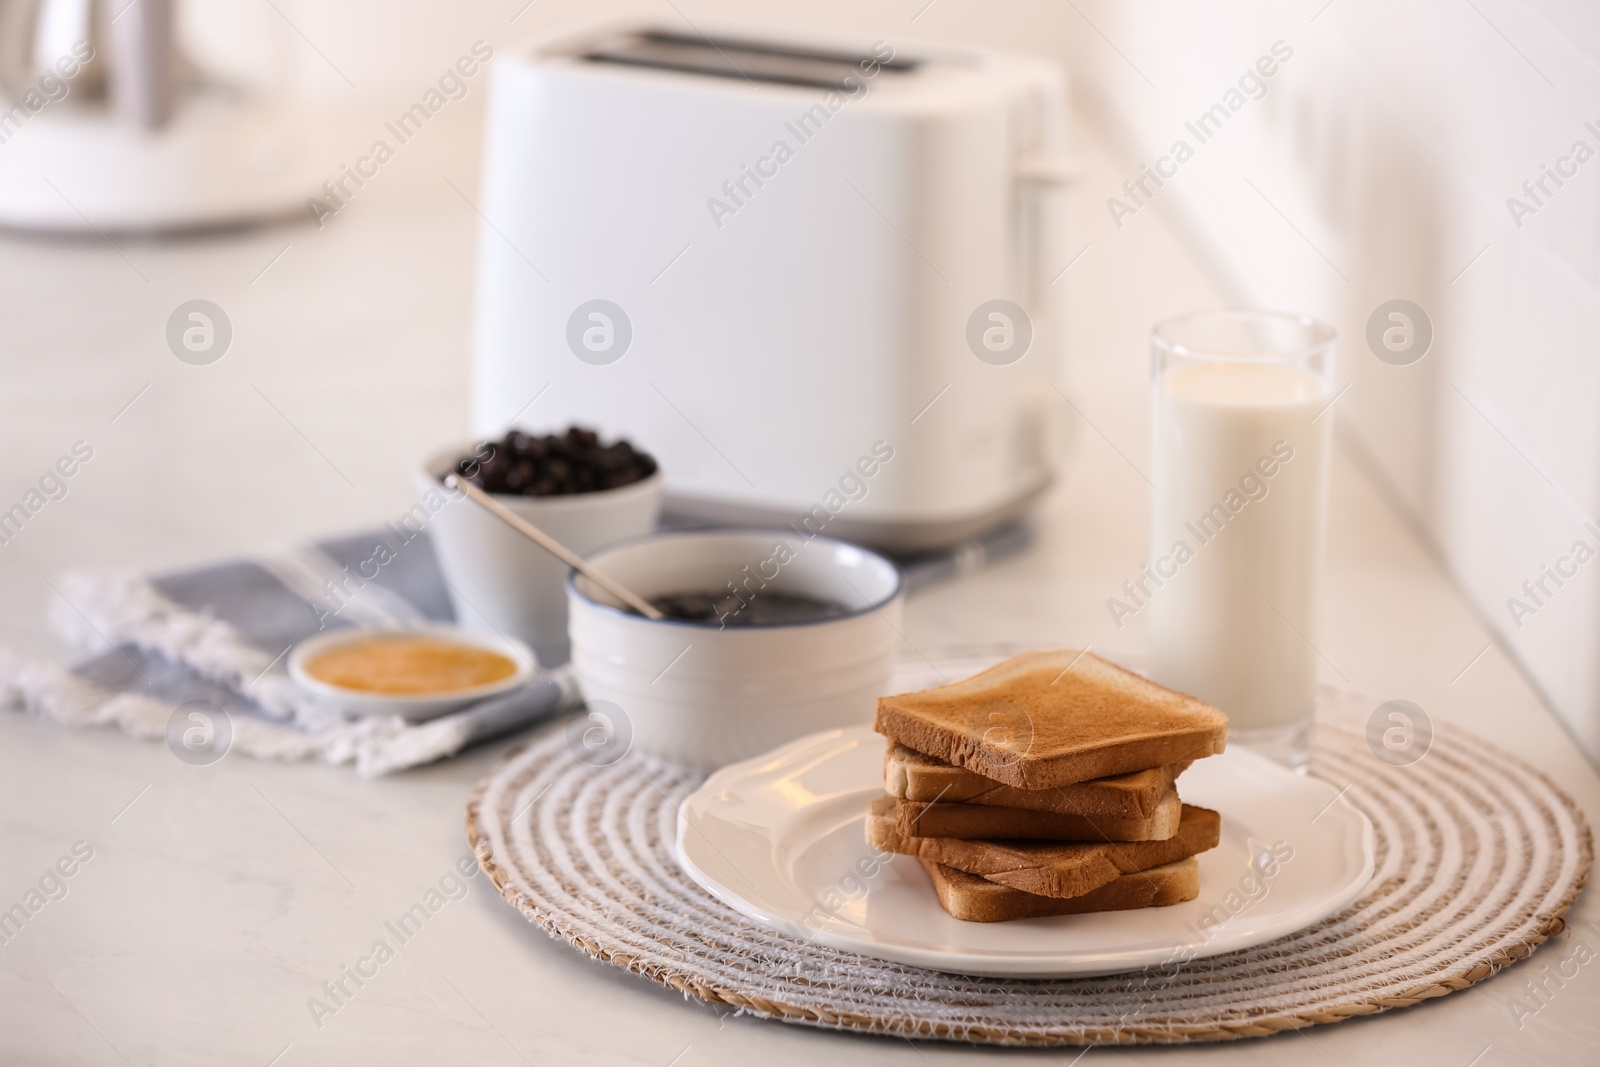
376	746
98	611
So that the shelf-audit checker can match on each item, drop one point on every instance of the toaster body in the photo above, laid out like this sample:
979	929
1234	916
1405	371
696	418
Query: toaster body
812	279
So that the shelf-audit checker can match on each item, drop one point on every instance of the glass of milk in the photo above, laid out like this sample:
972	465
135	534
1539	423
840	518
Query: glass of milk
1240	454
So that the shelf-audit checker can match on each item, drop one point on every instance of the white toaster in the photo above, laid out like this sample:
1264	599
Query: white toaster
812	277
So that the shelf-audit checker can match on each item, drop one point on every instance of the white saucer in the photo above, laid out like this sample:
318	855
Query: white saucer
781	839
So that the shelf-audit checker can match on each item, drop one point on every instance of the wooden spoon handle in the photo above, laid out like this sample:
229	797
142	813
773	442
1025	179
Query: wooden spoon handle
552	546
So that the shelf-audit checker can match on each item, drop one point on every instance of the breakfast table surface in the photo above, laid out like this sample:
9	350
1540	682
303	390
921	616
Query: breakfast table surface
216	901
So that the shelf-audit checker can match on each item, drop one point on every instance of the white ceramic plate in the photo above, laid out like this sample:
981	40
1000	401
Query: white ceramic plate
781	839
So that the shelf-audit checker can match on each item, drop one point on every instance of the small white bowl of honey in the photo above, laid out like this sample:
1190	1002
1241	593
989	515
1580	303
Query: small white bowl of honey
416	673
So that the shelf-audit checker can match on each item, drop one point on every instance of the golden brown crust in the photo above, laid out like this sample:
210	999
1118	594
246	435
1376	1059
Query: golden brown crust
912	775
973	899
1053	717
982	821
1047	868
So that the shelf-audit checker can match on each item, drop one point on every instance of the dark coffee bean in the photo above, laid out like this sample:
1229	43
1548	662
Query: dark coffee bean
494	469
519	477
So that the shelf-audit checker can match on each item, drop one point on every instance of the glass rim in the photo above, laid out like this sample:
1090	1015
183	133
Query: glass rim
1321	335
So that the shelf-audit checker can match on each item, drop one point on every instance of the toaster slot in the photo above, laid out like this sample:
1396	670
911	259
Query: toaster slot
756	61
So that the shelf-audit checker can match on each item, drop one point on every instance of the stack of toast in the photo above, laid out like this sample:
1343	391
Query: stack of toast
1046	785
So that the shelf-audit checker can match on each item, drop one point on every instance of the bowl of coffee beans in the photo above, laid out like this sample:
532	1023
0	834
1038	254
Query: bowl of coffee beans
582	489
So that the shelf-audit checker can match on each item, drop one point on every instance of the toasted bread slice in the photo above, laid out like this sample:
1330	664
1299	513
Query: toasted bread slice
984	821
911	775
1053	718
974	899
1047	868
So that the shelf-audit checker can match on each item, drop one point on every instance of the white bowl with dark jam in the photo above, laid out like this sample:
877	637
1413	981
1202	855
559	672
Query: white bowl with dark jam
769	636
416	673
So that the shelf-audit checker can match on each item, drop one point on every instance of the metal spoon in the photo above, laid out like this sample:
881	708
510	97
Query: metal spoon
554	547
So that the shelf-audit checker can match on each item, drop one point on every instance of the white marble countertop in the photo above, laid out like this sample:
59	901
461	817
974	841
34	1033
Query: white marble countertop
218	899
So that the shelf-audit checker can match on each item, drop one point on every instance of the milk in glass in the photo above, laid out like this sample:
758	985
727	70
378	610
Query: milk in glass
1238	513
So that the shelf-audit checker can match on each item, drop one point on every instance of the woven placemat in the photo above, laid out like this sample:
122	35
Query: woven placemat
1478	858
